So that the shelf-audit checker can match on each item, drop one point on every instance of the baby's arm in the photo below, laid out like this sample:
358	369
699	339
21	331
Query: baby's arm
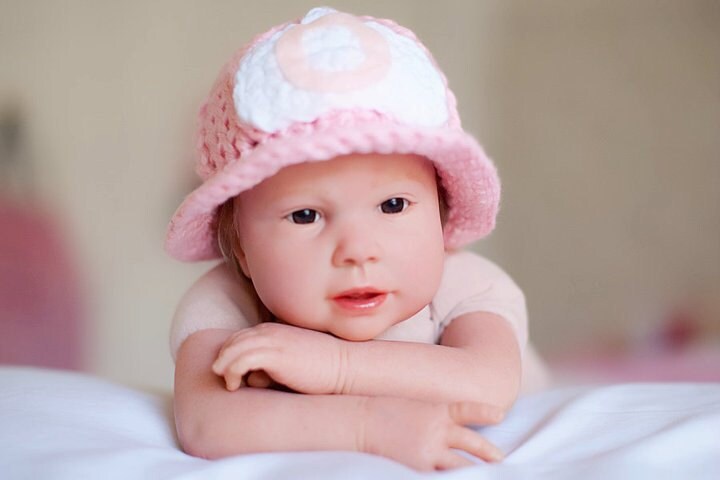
478	360
213	422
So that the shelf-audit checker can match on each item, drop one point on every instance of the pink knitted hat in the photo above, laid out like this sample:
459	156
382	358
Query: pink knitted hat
331	84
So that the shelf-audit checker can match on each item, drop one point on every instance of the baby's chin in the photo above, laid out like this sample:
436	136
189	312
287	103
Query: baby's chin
357	336
351	335
366	333
360	329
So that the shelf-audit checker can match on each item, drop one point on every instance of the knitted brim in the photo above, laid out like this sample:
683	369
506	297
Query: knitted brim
468	177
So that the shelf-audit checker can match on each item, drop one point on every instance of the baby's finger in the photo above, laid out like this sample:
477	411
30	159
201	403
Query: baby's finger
228	357
232	348
241	345
221	363
257	359
234	373
475	413
449	460
475	444
233	382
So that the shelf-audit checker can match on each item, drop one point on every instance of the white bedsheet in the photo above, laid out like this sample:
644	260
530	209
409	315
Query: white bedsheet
57	424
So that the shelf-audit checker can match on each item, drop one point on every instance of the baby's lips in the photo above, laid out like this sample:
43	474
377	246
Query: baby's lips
359	293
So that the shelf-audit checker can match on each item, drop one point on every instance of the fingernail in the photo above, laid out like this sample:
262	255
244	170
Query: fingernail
497	455
498	414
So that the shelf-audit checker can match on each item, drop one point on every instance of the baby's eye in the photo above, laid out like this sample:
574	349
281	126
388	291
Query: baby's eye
394	205
304	216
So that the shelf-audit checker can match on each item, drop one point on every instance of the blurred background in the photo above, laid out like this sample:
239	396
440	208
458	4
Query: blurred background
603	119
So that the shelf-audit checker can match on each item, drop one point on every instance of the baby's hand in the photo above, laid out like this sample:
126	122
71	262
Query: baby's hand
303	360
423	435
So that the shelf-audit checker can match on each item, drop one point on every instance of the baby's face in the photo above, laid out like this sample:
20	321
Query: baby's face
349	246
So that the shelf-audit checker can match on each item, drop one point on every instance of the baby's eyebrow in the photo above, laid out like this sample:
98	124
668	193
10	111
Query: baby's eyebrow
293	199
404	183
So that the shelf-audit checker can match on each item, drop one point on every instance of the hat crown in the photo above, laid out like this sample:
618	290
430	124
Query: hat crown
327	67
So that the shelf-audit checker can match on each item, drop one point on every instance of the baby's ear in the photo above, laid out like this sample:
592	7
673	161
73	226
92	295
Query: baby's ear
241	259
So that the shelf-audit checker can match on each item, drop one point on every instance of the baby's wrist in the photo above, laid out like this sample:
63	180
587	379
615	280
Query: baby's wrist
343	377
371	429
363	417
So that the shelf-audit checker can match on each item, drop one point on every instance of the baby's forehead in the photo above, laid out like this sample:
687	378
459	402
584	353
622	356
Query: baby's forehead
346	168
364	171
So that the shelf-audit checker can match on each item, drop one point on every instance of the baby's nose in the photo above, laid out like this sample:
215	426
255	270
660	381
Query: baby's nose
356	246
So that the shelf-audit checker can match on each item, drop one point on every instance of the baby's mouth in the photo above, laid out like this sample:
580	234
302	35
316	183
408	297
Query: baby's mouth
360	299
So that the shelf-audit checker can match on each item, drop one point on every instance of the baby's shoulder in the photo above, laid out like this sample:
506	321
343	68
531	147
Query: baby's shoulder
469	274
472	283
222	277
221	288
463	264
218	299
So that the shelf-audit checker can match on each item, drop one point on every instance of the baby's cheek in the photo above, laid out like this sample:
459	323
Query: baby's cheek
297	303
427	276
277	289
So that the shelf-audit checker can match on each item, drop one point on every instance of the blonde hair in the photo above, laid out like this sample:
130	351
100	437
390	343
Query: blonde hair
227	236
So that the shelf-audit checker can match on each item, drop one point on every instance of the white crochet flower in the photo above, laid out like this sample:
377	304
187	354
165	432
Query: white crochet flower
363	65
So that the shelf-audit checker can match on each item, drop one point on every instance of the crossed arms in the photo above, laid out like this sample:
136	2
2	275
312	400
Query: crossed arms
406	401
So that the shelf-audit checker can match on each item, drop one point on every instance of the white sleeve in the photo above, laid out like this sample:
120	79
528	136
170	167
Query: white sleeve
218	299
472	283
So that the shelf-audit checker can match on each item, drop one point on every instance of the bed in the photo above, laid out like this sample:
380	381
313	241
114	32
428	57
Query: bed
59	424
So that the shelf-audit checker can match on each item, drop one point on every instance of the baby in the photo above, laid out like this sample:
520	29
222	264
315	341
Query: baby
338	187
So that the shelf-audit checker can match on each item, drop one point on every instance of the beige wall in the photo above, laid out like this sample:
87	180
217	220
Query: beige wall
602	117
607	138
